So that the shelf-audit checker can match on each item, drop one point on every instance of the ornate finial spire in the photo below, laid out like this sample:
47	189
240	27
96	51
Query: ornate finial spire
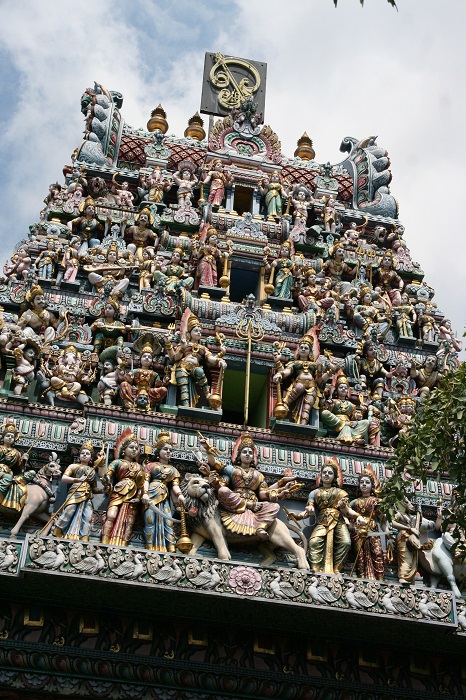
158	120
305	150
195	128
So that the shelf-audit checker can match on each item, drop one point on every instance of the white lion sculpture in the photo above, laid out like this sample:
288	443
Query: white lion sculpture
203	518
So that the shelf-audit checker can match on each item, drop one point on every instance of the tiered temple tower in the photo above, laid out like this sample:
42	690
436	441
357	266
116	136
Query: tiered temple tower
206	306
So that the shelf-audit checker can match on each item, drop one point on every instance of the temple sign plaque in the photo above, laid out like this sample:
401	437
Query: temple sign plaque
228	81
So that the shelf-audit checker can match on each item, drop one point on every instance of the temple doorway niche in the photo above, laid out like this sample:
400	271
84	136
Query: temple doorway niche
243	282
234	386
243	199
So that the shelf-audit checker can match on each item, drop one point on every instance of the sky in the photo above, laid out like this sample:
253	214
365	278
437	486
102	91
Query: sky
349	71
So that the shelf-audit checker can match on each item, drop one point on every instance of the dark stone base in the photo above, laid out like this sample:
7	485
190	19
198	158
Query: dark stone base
213	292
431	347
407	340
70	286
22	399
286	426
199	413
278	304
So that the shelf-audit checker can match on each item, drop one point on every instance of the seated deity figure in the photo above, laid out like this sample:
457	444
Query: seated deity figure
141	233
172	275
340	415
86	227
141	387
249	505
190	360
110	272
65	372
37	322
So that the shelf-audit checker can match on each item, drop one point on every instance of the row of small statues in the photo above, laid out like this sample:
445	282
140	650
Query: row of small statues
247	505
139	376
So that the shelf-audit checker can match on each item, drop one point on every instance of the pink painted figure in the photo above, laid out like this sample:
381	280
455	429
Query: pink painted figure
447	334
70	260
19	265
219	179
208	255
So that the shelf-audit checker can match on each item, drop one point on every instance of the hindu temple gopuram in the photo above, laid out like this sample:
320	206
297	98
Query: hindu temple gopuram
209	350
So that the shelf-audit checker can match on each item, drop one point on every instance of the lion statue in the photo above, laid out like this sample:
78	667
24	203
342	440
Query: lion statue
203	519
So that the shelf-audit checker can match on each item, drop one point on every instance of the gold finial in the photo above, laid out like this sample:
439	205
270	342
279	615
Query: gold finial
158	120
195	128
305	150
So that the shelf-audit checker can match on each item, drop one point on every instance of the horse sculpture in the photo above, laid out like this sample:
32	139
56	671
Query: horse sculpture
38	494
203	518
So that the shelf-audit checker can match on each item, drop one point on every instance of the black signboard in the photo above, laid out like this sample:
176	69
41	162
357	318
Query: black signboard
228	81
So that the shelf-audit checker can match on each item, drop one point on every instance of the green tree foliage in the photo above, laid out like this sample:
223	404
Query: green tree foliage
434	447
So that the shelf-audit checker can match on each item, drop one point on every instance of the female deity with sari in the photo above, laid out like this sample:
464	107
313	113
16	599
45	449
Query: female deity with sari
124	479
162	481
368	547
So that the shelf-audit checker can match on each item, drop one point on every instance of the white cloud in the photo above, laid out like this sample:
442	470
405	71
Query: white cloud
333	73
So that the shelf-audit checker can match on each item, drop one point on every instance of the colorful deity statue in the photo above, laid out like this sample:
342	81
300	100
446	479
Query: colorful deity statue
272	189
147	267
109	380
75	519
309	292
172	275
190	360
330	540
301	200
13	474
141	387
46	261
371	369
283	268
110	272
141	233
162	481
426	322
37	322
447	335
186	181
339	271
367	546
405	317
108	330
86	226
426	375
25	355
219	179
123	195
208	255
367	315
157	184
302	392
409	521
124	480
342	416
385	278
19	266
71	260
399	417
329	214
65	372
249	505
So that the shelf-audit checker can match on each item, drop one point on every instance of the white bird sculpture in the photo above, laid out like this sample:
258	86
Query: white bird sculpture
282	589
130	569
207	579
7	558
169	573
320	593
358	600
431	609
394	604
90	564
51	560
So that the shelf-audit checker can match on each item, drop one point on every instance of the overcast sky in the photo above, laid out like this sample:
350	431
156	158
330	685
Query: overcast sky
331	72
